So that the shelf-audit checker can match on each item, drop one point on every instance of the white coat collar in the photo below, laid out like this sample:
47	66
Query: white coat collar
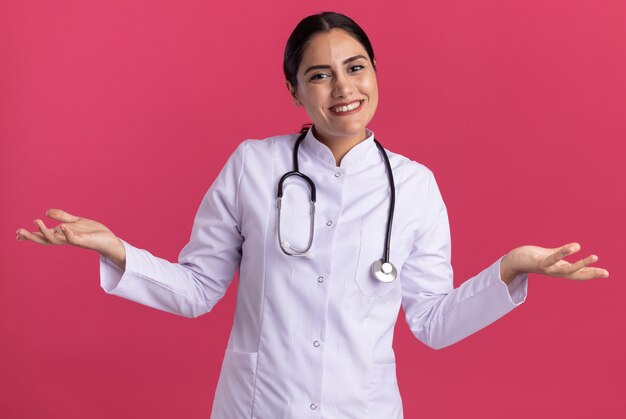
361	154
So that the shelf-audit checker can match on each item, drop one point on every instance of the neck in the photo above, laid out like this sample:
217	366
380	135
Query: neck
339	146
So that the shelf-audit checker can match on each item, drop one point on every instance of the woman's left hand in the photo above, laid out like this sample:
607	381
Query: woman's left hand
546	261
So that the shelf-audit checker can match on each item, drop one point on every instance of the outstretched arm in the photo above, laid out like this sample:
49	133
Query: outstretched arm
205	267
440	315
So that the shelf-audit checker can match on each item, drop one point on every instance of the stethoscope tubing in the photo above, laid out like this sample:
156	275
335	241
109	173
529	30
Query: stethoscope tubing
392	201
382	269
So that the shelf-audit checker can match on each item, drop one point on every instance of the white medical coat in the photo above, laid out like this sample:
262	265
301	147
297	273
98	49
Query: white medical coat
312	337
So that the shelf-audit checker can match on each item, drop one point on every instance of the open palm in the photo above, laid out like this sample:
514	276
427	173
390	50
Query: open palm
73	230
550	262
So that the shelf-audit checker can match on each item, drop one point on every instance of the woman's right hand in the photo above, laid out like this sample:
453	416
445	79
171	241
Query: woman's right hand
77	231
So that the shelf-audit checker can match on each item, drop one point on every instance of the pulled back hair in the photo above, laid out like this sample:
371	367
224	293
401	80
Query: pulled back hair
311	25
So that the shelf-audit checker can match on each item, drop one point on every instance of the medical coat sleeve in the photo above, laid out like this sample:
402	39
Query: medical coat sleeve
206	265
437	314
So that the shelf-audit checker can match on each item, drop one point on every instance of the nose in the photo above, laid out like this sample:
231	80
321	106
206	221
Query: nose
342	86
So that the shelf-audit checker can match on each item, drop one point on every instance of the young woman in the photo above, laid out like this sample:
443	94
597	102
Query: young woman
331	234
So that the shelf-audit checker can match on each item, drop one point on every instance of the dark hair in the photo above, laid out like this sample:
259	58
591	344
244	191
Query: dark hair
311	25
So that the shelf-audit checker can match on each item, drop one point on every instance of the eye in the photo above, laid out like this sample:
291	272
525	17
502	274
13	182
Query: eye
355	68
319	76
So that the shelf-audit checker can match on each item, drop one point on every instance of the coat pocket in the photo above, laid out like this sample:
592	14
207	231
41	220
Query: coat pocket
235	389
372	245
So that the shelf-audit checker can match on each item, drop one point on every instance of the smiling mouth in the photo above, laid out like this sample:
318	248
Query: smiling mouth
347	108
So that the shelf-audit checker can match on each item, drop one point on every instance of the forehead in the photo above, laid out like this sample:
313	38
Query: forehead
329	47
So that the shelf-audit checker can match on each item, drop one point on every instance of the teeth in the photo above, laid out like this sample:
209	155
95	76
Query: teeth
346	108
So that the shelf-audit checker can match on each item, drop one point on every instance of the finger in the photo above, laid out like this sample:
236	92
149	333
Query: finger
47	233
560	253
582	263
589	273
35	237
60	215
70	236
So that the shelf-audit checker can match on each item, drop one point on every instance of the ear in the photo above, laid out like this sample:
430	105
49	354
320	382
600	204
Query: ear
292	92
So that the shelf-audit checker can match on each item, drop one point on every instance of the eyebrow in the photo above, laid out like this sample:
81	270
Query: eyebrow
346	61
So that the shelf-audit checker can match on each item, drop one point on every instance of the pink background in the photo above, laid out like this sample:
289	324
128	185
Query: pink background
124	112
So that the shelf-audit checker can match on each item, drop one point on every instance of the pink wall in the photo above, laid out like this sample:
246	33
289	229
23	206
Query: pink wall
124	111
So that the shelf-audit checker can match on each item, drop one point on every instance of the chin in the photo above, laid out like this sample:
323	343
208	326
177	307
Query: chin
348	130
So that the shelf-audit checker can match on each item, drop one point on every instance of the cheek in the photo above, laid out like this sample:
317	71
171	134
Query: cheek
369	86
372	93
313	99
373	86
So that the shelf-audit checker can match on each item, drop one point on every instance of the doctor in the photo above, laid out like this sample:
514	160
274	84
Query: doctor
313	329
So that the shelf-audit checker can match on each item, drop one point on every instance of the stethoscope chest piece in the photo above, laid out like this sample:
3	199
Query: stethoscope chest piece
384	271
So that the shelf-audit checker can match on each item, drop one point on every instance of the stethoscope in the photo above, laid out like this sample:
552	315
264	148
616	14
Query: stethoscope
382	269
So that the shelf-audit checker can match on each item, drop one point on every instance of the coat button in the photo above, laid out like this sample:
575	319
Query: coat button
320	279
337	174
316	344
329	223
313	406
